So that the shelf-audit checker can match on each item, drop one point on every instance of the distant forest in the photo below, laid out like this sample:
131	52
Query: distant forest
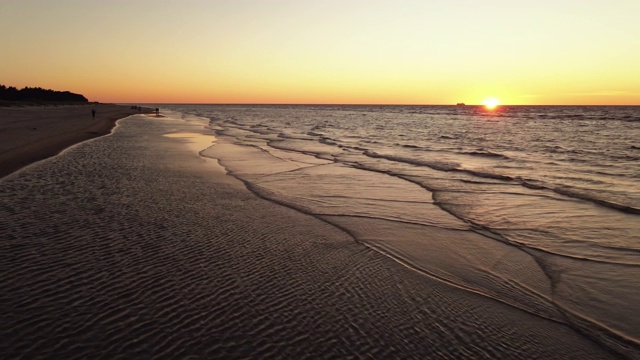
37	94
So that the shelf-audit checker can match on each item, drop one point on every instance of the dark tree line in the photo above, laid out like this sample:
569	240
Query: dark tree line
38	94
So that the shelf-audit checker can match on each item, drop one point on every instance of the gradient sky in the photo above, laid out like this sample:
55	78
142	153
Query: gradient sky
326	51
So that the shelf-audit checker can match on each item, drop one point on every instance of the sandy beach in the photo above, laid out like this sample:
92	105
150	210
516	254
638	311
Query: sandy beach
32	133
134	246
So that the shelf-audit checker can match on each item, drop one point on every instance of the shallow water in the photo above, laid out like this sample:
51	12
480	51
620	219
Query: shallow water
537	207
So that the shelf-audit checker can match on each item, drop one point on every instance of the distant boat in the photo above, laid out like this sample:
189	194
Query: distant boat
460	104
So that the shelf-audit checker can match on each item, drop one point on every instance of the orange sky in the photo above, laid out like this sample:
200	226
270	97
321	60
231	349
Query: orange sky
332	51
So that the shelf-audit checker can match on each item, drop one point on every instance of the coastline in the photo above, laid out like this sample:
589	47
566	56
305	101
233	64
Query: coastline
33	133
132	246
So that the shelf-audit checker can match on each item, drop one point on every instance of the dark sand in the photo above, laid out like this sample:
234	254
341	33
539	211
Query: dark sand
32	133
133	246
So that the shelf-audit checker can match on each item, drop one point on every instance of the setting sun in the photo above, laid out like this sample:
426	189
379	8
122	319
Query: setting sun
491	103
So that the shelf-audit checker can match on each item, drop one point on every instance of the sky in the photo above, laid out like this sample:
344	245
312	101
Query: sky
522	52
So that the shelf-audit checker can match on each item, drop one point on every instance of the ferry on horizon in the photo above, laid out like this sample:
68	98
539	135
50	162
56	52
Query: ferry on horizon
460	104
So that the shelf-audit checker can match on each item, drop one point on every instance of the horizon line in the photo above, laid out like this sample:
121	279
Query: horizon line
352	104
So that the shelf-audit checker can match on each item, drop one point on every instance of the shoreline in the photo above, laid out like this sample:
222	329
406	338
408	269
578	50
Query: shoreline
33	133
133	246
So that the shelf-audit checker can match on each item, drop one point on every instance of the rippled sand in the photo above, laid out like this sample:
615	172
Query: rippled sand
133	246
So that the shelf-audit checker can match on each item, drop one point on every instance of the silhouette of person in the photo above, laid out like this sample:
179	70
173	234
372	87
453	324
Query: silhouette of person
93	113
157	111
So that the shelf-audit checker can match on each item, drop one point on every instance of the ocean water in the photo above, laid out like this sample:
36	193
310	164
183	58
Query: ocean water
534	207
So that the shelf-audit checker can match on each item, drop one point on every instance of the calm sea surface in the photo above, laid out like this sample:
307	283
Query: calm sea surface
536	207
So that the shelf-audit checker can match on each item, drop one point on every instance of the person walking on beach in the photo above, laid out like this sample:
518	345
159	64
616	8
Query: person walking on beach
93	113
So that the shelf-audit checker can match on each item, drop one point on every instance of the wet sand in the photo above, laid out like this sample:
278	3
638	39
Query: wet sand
134	246
32	133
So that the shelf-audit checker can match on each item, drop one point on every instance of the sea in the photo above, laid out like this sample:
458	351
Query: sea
536	207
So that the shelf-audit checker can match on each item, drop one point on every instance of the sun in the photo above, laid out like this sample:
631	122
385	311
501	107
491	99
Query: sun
491	103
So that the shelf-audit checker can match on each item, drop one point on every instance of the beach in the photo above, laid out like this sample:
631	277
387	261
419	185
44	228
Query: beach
32	133
134	245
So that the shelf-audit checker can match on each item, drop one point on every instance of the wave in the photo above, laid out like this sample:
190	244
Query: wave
582	195
329	141
455	167
436	165
439	165
449	166
485	153
487	175
560	150
576	193
290	136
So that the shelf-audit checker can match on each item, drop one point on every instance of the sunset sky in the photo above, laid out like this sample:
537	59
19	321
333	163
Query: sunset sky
326	51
